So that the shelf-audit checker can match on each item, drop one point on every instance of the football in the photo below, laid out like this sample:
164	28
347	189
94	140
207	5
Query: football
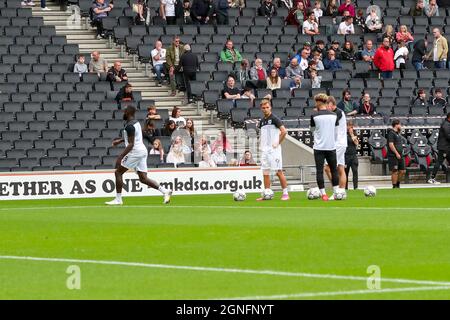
313	193
340	195
370	191
267	194
239	196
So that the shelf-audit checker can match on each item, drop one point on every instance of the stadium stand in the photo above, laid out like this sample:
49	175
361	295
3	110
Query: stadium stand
67	114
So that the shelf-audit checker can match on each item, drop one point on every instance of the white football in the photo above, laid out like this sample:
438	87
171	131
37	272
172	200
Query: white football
370	191
267	194
313	193
340	195
239	196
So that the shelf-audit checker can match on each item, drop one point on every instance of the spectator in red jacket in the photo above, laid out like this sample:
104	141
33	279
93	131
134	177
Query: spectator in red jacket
347	5
384	59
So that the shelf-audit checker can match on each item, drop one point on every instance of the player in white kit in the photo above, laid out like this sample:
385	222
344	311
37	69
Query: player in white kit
134	157
272	135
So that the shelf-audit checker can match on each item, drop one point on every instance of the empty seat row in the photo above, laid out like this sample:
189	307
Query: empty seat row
14	31
37	49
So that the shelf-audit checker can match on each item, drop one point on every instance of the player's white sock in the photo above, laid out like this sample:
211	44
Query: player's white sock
285	191
322	192
162	189
119	196
335	189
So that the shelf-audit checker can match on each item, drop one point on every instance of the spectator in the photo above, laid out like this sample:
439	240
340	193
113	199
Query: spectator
419	54
360	20
440	50
167	11
152	114
125	93
158	149
320	46
401	55
230	91
221	140
177	118
276	64
186	14
140	9
296	16
80	67
236	4
116	73
207	161
310	26
100	9
173	56
203	146
346	26
169	128
190	128
332	9
149	131
438	99
25	3
303	59
243	73
347	105
318	12
417	9
221	11
348	51
274	80
389	33
201	11
347	6
404	35
294	70
247	159
335	46
315	80
258	74
218	156
229	54
331	63
177	151
267	9
288	4
443	147
296	83
366	107
351	155
432	10
368	52
189	63
247	93
421	100
158	60
373	22
317	58
384	59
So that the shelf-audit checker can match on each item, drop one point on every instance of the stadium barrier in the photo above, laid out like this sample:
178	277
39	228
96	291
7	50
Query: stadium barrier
94	184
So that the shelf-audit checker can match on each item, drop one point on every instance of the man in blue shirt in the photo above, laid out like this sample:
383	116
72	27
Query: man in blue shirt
331	63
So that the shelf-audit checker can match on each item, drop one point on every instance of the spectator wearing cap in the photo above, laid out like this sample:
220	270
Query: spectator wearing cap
189	64
267	9
116	73
310	26
331	62
368	52
294	70
320	46
417	9
440	50
346	26
336	46
347	6
421	100
384	59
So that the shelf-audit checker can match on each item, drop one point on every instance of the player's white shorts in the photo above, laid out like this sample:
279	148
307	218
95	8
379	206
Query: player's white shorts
340	155
271	160
136	161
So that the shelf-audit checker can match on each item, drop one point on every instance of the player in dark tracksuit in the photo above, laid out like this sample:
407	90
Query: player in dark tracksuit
351	156
396	160
443	146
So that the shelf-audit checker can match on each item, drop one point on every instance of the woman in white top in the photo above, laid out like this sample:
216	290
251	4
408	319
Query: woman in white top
273	80
177	118
167	11
157	149
177	152
401	55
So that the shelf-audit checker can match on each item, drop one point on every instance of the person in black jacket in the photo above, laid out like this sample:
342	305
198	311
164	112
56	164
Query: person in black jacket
189	63
443	146
201	11
351	155
267	9
366	107
419	53
221	11
125	94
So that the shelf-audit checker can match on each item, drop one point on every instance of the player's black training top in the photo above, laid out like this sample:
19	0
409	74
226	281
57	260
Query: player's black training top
396	139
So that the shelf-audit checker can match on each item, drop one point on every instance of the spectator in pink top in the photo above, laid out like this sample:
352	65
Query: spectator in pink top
404	35
347	5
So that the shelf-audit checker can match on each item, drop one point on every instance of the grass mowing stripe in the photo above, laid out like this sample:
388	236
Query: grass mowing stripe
338	293
220	207
225	270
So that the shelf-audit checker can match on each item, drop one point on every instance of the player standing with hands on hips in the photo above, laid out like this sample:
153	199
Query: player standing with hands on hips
272	134
133	157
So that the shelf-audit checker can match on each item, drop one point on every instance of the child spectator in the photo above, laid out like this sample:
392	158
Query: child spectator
80	67
177	118
157	148
247	159
219	156
152	114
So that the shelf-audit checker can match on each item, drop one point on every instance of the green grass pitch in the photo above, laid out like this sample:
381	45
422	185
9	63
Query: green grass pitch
210	247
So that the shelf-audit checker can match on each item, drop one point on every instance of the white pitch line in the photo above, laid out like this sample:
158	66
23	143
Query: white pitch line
222	207
226	270
338	293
